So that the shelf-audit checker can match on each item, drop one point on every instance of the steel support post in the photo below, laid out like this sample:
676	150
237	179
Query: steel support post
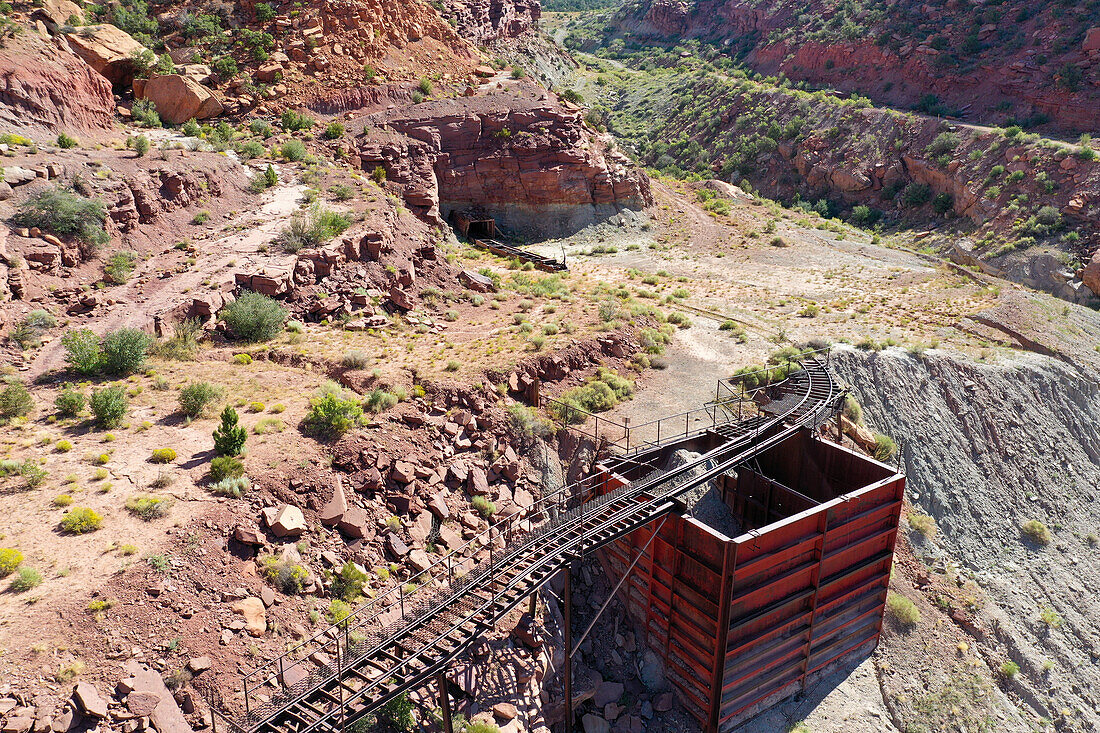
568	633
445	703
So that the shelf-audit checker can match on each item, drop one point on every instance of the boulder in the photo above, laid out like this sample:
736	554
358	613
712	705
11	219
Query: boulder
108	50
595	724
285	521
165	715
336	506
247	535
355	523
89	701
1092	40
180	98
55	14
255	616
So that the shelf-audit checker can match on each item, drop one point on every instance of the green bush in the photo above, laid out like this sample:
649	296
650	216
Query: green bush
483	506
9	560
1010	669
81	520
254	317
62	212
601	394
223	467
264	12
338	610
163	455
84	350
229	437
144	113
119	267
347	584
425	86
125	350
148	507
331	415
25	580
15	400
916	194
66	142
333	131
225	66
885	447
197	397
109	406
398	712
139	144
293	150
293	121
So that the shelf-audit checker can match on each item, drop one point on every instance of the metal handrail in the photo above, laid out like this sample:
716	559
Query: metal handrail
565	510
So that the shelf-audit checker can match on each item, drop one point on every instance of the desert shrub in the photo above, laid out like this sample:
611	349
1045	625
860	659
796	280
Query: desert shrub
254	317
348	582
1050	617
333	131
1010	669
425	86
81	520
9	560
264	12
125	350
139	144
945	142
183	344
109	406
83	350
355	360
379	400
293	150
244	359
599	395
398	713
1036	531
163	455
337	611
293	121
65	141
248	150
885	447
256	406
318	227
229	436
63	212
268	425
32	472
119	267
288	577
40	319
902	610
25	580
235	487
197	397
144	113
916	194
15	400
483	506
148	507
923	524
942	203
223	467
331	415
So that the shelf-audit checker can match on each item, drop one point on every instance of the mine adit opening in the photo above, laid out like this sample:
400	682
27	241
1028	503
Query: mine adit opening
474	224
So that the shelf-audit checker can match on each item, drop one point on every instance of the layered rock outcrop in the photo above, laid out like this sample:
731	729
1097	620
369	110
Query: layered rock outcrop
530	163
44	89
484	21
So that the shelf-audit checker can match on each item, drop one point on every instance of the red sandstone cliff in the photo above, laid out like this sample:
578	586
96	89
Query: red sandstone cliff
46	89
1016	60
529	161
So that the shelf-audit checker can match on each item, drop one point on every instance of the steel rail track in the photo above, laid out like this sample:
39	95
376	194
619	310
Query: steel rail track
403	655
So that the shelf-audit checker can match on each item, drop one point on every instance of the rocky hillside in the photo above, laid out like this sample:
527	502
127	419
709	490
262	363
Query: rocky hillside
989	450
1015	60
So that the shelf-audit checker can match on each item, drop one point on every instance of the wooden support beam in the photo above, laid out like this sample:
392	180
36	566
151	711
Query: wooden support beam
567	600
445	702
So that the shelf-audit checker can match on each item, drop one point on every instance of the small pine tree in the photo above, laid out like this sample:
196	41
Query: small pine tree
229	437
270	176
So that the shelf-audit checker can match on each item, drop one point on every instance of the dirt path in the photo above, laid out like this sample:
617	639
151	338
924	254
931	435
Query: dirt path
149	293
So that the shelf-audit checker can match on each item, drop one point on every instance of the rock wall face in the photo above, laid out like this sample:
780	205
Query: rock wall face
485	21
46	89
1016	60
986	448
531	163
